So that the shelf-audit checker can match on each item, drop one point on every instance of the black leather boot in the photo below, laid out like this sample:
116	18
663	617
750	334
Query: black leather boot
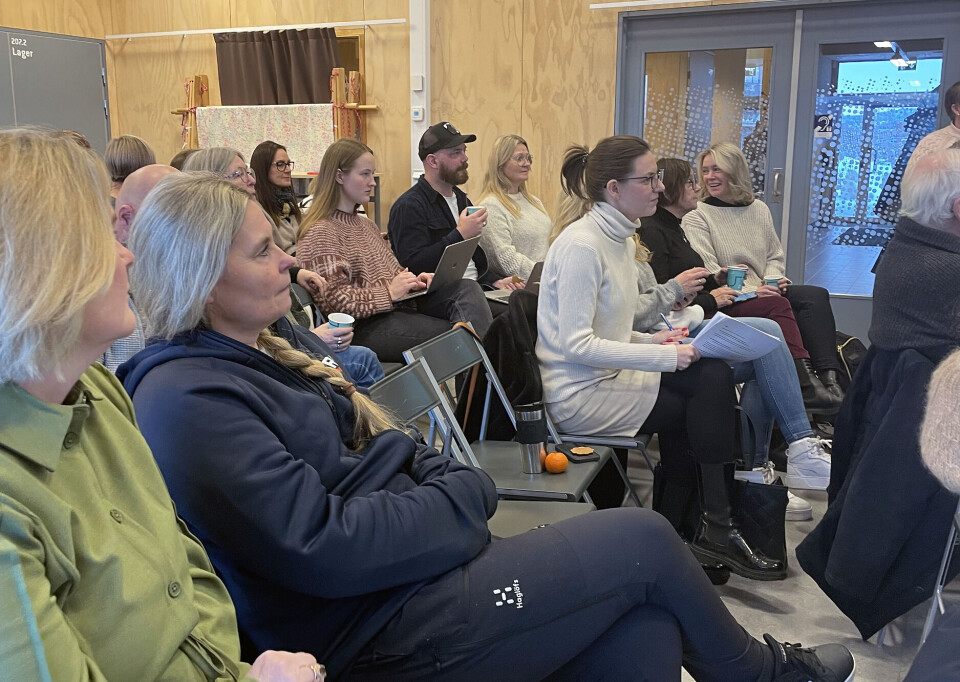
717	539
816	397
828	378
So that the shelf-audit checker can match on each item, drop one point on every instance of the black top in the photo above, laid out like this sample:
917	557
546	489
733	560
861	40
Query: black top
421	227
672	253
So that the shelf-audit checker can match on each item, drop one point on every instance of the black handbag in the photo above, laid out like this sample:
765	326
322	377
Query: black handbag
851	351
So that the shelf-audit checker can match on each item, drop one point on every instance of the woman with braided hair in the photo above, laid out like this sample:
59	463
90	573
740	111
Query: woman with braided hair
341	536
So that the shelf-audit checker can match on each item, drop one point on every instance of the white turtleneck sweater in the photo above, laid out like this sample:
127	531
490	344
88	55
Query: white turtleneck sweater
599	376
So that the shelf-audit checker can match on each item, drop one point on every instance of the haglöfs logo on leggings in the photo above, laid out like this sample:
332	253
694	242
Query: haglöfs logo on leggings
509	596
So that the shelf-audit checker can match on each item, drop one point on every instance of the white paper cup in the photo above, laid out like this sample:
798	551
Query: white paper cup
340	320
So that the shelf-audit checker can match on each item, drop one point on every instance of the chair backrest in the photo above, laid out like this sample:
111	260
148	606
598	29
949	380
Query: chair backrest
412	392
454	352
306	302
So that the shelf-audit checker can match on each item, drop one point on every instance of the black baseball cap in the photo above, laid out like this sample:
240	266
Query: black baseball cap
442	135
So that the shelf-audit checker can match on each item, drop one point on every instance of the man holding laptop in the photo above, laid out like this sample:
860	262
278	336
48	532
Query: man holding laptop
435	213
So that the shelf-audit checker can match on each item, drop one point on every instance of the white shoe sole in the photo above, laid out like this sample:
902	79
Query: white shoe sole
799	482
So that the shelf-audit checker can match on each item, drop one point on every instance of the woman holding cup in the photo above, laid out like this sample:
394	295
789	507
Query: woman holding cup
731	227
672	253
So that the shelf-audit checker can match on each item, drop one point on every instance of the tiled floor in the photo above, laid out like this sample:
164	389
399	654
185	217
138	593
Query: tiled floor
796	610
840	269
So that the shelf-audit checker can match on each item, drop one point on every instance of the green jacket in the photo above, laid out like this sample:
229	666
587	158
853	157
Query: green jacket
118	587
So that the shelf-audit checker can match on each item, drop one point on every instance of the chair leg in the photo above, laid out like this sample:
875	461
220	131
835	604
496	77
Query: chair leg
631	493
941	578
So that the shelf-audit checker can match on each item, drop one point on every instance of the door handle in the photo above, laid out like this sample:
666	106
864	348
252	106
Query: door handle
777	184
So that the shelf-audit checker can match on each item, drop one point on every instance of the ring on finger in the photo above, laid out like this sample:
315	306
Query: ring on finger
319	671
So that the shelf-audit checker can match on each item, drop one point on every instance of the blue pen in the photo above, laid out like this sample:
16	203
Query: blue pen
664	318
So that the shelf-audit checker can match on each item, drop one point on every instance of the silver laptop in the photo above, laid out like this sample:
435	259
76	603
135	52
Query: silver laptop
453	263
532	285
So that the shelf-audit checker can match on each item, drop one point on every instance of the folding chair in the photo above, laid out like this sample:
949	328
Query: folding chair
457	351
412	392
942	576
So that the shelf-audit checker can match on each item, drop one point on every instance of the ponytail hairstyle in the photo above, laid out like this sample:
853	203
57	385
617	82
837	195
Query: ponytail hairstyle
369	418
187	225
584	175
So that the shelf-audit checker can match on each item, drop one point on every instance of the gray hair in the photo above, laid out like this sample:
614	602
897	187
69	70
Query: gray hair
930	187
213	159
181	237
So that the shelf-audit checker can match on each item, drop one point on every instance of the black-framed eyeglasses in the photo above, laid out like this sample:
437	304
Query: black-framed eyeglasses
242	172
646	179
283	165
691	183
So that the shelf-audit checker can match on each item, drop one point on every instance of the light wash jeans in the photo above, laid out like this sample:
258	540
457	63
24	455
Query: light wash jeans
771	391
361	363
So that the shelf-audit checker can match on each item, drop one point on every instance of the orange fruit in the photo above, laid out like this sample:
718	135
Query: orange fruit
556	463
543	456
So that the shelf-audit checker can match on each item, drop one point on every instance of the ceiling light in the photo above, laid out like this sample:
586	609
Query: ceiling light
882	43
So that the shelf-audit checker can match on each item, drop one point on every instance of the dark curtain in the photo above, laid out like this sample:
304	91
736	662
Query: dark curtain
276	67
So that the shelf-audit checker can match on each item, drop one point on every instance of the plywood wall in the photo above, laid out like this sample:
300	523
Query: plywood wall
85	18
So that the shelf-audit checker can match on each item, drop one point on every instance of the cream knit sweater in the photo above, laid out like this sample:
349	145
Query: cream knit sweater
940	433
947	137
588	295
514	244
728	235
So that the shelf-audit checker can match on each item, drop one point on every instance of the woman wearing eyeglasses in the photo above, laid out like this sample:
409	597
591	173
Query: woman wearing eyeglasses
518	226
271	163
601	377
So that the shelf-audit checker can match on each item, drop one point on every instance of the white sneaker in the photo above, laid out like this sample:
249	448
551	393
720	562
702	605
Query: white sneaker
798	509
808	465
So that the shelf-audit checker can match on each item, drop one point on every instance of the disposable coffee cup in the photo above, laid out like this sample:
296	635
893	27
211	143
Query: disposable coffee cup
340	320
772	281
735	277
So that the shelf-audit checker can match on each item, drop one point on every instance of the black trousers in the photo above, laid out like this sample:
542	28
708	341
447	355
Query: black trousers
421	319
694	419
818	329
610	595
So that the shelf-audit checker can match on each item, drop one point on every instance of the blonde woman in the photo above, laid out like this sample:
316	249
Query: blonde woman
341	535
518	226
730	227
115	587
362	274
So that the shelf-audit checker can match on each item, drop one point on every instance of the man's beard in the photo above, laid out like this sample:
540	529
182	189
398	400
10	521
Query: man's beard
458	176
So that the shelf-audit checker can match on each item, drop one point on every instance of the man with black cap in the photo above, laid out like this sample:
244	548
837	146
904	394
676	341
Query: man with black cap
432	214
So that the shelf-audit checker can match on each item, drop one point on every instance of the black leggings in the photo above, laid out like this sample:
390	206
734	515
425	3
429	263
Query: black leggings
811	307
610	595
694	418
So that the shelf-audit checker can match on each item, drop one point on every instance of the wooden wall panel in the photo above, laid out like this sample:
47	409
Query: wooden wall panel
387	84
569	84
86	18
477	68
285	12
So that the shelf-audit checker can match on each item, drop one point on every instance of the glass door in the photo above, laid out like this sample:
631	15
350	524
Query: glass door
681	87
869	89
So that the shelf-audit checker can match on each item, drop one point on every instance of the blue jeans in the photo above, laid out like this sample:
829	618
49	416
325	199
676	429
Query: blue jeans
362	365
771	390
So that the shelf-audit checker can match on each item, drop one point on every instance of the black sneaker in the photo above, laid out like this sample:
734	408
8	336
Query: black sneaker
824	663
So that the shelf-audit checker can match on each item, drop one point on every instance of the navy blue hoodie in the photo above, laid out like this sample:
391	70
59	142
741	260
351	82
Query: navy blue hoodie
318	545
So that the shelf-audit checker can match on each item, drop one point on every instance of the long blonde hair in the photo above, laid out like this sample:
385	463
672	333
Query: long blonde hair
495	183
56	254
325	191
370	419
187	226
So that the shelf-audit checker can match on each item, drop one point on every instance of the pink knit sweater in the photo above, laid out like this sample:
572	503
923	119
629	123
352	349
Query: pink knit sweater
349	252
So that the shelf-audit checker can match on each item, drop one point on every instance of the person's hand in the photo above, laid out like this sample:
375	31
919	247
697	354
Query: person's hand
724	295
692	280
782	285
508	283
311	281
686	356
403	284
721	276
472	225
284	666
670	336
338	338
683	302
767	290
426	278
